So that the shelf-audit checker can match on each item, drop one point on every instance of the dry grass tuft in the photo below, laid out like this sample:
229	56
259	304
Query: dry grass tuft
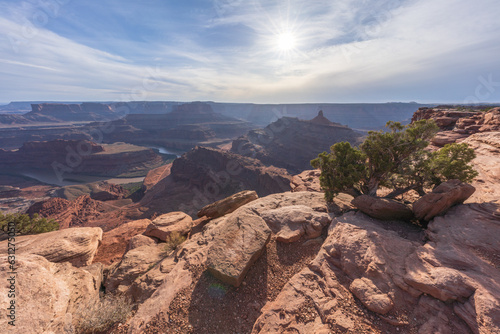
101	316
173	241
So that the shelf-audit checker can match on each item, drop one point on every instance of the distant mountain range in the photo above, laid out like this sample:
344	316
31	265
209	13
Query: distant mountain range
354	115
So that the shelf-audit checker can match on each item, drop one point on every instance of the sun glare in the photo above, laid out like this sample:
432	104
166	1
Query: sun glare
286	41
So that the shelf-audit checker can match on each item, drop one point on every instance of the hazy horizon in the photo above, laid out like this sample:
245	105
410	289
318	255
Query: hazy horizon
237	51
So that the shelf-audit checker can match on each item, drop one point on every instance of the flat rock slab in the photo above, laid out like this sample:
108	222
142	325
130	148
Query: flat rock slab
75	245
241	240
290	223
172	222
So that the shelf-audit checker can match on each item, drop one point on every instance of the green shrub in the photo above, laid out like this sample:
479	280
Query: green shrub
26	224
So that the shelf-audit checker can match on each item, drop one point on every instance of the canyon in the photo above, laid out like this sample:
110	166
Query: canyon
263	252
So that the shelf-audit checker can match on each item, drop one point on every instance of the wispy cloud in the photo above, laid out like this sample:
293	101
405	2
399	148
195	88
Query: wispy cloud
361	50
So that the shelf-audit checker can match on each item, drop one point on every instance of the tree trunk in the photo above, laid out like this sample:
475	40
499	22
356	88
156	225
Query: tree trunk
400	191
373	187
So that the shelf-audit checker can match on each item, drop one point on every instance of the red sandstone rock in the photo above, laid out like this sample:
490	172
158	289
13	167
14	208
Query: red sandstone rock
166	224
155	175
487	164
228	204
308	180
77	246
382	208
116	241
441	199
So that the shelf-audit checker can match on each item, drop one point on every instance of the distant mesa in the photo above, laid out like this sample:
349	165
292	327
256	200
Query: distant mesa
185	127
73	157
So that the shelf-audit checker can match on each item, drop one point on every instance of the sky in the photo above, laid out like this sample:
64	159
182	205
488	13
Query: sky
337	51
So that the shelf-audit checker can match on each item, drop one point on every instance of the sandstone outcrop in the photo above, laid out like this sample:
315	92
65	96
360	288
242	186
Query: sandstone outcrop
441	199
76	245
134	263
49	295
382	208
292	143
158	287
443	285
228	204
456	125
308	180
155	175
487	163
83	211
172	222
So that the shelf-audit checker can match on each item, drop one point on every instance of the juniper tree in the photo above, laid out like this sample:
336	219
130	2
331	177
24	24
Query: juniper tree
396	159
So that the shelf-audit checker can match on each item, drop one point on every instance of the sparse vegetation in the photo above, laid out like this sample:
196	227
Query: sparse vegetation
26	224
101	316
396	159
173	241
134	191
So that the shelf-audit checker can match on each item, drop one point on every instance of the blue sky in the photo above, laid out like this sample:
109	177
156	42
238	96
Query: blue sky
233	50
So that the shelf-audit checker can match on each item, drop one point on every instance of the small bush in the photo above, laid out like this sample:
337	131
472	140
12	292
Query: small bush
173	241
26	224
101	316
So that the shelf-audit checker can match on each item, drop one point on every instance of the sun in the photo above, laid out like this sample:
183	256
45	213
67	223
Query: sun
286	41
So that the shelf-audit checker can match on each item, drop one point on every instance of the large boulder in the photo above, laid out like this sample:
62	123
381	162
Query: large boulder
290	223
242	240
228	204
135	262
77	246
49	296
172	222
382	208
441	199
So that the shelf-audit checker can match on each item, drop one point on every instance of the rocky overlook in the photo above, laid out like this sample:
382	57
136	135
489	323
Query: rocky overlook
291	143
456	124
223	246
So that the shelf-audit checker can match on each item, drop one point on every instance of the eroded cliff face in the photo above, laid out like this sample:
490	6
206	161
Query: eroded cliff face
58	112
291	143
204	175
